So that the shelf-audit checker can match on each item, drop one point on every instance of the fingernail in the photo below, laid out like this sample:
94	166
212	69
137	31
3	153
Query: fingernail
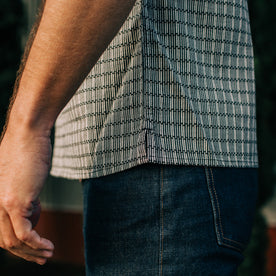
48	254
49	245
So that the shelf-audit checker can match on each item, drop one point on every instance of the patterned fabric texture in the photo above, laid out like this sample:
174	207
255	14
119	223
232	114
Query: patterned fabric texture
175	86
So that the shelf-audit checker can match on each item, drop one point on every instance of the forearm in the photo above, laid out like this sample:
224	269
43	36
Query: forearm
71	37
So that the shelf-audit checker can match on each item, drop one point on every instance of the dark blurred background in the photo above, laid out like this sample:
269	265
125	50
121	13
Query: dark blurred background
16	17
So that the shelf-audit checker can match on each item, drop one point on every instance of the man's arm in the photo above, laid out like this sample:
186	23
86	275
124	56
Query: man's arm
70	38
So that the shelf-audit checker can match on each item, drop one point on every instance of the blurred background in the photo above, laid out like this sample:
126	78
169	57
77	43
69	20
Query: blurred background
61	219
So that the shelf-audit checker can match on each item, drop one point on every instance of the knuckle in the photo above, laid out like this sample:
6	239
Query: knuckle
9	199
35	247
23	236
10	244
8	202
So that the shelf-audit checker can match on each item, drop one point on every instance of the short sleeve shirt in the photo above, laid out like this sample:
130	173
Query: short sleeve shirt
175	86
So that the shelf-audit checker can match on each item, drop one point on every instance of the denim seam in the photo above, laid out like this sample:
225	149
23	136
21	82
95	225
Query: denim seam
161	222
213	203
217	214
238	243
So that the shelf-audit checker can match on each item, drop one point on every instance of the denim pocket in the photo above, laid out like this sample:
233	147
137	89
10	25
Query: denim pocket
233	194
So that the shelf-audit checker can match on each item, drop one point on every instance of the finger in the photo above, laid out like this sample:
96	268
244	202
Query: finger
9	242
24	232
31	246
29	258
8	239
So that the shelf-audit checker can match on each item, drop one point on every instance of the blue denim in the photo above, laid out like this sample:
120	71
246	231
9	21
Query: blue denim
168	220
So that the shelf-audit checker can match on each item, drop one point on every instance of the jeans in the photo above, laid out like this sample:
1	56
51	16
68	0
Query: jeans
168	220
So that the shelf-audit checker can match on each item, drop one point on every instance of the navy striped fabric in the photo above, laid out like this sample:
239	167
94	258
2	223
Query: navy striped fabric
175	86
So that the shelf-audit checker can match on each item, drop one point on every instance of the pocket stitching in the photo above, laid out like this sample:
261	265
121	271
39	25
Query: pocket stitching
217	214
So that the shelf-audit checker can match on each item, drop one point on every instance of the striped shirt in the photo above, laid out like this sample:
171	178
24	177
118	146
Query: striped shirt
175	86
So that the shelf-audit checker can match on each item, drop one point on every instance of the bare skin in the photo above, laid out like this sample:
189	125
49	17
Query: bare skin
71	37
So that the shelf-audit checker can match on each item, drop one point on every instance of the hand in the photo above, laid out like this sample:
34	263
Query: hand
24	166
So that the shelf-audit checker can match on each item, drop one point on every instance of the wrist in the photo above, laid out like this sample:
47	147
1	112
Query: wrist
24	119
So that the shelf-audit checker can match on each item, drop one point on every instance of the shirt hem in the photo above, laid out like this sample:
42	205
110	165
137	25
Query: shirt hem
74	174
